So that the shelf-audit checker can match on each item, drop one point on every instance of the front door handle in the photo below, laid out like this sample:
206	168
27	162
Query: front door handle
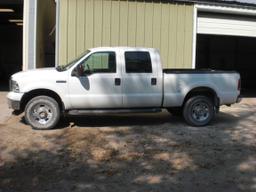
153	81
117	81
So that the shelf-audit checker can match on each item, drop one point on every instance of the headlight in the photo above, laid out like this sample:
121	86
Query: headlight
14	86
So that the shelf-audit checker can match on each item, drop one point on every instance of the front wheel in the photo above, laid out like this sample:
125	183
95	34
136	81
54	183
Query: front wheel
198	111
42	113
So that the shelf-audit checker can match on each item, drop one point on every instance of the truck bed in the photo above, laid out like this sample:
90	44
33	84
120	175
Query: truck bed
179	82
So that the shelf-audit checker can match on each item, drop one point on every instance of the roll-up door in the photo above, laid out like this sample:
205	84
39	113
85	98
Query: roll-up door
221	24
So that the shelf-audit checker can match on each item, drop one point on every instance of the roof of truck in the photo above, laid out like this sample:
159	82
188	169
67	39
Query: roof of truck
121	48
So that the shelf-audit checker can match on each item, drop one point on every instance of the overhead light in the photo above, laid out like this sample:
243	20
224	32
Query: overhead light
15	20
6	10
19	24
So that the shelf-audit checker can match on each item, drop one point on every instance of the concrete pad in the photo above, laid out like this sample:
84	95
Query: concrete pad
5	112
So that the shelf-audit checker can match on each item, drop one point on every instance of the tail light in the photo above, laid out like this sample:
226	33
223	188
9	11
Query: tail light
239	85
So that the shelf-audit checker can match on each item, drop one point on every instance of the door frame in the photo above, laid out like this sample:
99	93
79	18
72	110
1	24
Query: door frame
29	34
30	14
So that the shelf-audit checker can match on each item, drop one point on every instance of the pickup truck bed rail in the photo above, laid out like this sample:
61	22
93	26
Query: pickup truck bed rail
196	71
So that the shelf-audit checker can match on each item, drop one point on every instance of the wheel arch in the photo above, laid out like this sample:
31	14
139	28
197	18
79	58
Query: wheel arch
41	92
204	91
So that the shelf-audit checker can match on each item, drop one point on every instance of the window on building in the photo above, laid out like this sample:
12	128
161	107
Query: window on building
138	62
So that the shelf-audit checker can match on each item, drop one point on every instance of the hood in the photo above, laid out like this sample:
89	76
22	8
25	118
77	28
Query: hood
45	78
36	73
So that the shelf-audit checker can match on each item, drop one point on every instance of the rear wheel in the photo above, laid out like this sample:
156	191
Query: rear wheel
198	111
42	113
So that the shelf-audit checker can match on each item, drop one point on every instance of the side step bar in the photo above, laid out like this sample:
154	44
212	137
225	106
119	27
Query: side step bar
113	111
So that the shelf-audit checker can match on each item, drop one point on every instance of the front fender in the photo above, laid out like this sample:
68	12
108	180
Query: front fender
60	89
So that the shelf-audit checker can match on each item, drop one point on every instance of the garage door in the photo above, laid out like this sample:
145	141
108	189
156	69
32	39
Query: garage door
221	24
228	42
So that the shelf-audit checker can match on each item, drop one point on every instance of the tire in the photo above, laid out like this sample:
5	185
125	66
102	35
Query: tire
198	111
42	113
175	111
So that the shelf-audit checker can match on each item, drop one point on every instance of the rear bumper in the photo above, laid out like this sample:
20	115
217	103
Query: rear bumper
14	100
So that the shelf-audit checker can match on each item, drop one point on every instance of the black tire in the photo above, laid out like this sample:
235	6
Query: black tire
42	113
175	111
198	111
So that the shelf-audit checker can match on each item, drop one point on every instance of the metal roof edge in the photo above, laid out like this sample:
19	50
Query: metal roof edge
234	4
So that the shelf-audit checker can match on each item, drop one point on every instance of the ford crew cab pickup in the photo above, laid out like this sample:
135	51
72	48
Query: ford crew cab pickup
120	79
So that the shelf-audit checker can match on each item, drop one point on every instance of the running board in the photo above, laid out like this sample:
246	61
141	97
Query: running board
113	111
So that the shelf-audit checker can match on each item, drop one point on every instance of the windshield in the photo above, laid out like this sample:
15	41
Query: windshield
69	65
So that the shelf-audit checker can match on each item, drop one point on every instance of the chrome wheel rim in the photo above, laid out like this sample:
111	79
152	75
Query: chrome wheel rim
42	113
200	112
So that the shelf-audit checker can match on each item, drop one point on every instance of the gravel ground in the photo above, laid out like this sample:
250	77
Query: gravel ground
142	152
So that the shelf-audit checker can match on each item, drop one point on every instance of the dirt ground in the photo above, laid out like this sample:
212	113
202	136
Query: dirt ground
5	112
142	152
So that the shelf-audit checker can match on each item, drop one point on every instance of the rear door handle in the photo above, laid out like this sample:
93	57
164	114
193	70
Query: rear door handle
153	81
117	81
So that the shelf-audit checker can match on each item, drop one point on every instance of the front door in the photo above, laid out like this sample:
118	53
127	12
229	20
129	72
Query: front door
98	87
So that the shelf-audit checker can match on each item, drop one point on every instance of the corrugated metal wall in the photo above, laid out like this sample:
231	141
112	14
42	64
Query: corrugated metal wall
92	23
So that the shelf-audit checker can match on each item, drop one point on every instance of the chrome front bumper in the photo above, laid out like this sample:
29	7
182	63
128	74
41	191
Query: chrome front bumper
15	105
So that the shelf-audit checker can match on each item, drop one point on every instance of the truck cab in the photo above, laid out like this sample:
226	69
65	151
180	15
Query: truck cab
117	78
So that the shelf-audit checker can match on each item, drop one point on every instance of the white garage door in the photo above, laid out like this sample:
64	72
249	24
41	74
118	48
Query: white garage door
226	25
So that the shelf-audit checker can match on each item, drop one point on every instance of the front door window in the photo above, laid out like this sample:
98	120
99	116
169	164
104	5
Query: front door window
100	62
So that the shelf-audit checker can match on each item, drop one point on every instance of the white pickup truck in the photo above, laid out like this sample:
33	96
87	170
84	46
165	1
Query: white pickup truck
120	79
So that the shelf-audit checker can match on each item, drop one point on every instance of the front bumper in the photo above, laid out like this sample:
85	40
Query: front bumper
239	99
14	100
15	105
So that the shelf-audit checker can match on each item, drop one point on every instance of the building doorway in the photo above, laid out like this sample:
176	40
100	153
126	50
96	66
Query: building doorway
11	30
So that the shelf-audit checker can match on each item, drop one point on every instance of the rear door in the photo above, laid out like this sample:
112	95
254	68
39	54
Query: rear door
141	79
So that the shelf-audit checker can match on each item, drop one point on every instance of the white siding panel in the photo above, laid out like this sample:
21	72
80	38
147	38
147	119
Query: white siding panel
226	26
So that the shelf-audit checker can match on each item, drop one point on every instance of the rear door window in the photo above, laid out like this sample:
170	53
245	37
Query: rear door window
138	62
